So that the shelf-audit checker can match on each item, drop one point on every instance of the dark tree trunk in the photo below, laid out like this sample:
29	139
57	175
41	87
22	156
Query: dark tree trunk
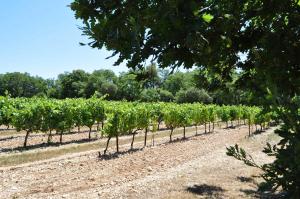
90	131
102	126
49	136
209	127
205	127
60	138
152	138
184	132
213	128
26	138
107	143
244	122
7	127
171	134
98	126
145	140
117	142
133	135
78	129
196	129
249	129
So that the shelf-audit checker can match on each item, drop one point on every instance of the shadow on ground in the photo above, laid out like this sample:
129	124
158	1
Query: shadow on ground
255	193
114	155
263	195
206	190
41	145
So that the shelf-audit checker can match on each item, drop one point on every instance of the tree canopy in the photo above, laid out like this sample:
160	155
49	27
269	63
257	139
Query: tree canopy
22	84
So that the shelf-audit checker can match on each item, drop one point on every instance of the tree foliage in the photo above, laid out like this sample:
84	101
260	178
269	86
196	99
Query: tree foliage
192	95
22	84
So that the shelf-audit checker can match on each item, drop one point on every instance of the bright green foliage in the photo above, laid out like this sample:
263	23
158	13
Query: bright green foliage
89	114
120	118
207	17
29	118
64	116
6	111
224	114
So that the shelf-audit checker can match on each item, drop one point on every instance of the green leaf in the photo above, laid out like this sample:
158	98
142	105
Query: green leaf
207	17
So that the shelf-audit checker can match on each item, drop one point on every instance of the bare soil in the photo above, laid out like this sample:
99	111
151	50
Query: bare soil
11	141
193	168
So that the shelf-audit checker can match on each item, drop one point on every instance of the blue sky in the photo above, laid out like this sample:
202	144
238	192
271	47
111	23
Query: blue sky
41	37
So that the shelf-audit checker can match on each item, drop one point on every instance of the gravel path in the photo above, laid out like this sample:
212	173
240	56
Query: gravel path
193	168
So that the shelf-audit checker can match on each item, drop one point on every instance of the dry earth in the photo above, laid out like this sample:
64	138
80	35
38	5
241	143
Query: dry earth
11	141
192	168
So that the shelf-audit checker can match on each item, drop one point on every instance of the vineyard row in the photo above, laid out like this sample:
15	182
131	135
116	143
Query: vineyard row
115	119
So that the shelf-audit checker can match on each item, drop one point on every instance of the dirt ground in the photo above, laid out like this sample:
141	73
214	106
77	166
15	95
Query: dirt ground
12	141
192	168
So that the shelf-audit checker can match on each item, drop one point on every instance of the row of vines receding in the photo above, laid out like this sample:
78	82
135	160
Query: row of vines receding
115	119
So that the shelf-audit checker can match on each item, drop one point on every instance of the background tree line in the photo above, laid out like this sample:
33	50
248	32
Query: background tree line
148	85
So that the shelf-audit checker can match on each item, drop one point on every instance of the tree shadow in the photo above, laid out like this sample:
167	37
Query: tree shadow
179	139
7	138
118	154
45	135
6	129
206	190
257	132
115	155
41	145
263	195
247	179
255	193
230	127
22	136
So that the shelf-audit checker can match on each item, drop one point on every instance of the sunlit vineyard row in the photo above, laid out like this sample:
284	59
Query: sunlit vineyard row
114	119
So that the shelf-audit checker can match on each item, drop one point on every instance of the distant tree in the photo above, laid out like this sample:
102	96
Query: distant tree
22	85
110	89
97	78
53	88
177	81
206	79
73	84
165	96
128	87
150	95
148	76
192	95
